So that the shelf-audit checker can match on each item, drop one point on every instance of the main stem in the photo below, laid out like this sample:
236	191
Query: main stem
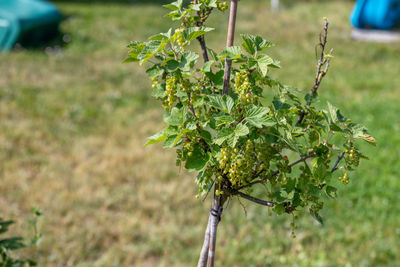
218	201
207	254
215	217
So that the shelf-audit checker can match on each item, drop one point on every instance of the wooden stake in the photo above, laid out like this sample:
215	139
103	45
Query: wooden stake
229	43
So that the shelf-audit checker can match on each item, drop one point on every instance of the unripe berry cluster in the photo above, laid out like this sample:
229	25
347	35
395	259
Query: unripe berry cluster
345	179
242	87
353	158
222	6
170	92
180	39
155	83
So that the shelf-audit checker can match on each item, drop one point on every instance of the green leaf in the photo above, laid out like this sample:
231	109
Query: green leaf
221	119
177	5
217	78
335	114
241	130
192	33
253	44
130	59
206	136
198	160
177	117
223	135
136	48
172	140
175	15
162	36
331	191
155	71
232	52
171	130
150	50
158	137
278	105
231	136
258	116
263	62
207	66
224	103
188	60
158	92
172	65
360	132
317	217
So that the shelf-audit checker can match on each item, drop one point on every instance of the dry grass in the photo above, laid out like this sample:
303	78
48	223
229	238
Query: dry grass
73	125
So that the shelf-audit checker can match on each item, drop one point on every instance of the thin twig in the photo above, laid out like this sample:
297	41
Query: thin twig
340	157
251	198
322	69
202	39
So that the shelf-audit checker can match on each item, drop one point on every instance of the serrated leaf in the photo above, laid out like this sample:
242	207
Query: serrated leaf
188	60
217	78
198	160
263	62
258	116
192	33
176	117
172	65
223	135
175	15
207	66
253	44
232	52
136	48
360	132
335	114
177	5
154	71
158	137
158	92
223	119
172	140
162	36
279	105
150	50
241	130
224	103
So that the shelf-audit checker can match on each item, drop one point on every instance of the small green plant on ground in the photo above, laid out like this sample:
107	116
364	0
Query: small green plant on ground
223	127
9	244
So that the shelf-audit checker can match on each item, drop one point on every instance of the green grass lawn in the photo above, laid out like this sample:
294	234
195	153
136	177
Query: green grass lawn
73	124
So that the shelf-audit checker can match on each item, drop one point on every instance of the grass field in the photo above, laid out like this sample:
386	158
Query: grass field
73	123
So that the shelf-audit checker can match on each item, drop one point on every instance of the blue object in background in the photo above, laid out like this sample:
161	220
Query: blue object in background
27	21
376	14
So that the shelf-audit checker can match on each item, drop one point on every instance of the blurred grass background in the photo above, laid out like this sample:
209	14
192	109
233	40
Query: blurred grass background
73	122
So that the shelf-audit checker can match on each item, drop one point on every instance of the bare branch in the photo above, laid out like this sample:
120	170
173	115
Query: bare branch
340	157
253	199
202	39
322	69
203	46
